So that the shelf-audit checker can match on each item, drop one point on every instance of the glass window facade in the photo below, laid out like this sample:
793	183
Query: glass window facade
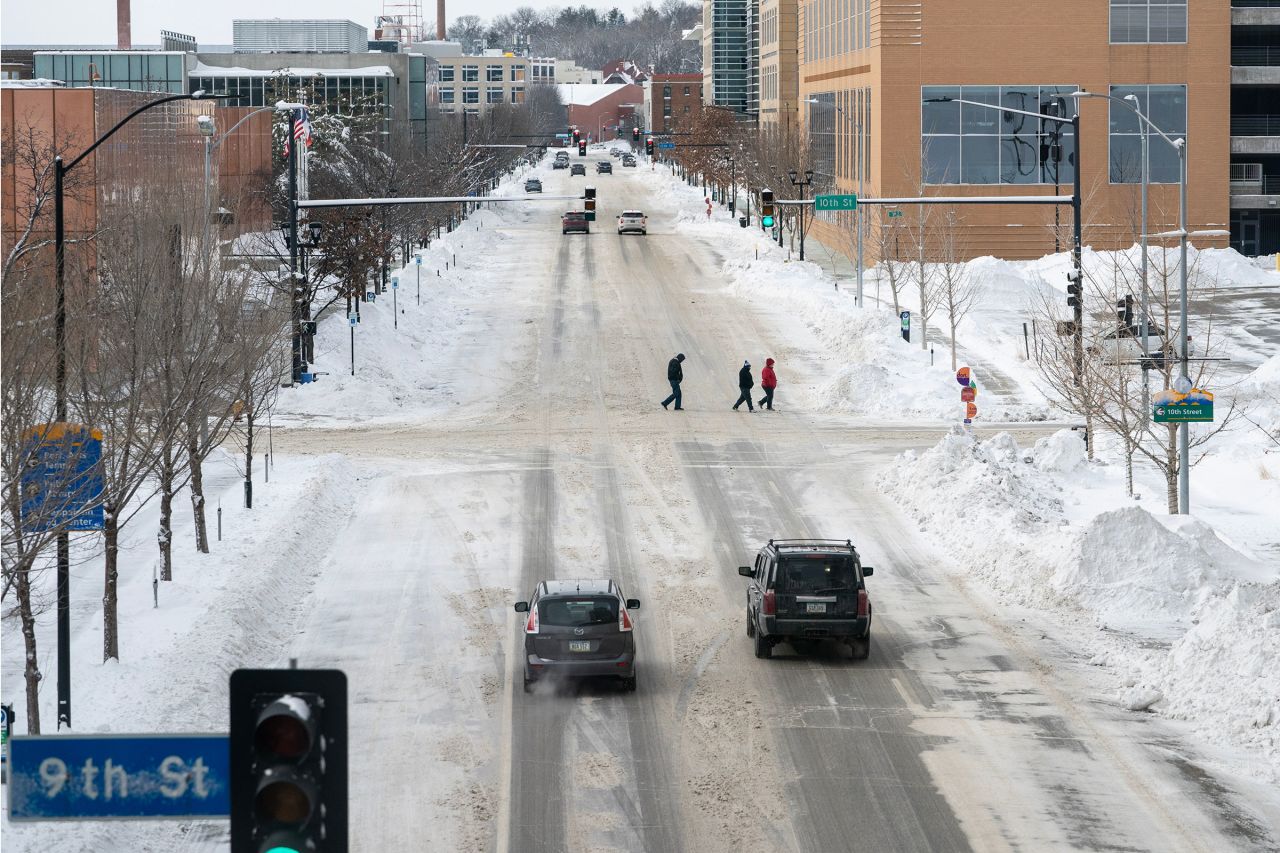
261	91
1148	21
151	72
1166	107
970	144
835	28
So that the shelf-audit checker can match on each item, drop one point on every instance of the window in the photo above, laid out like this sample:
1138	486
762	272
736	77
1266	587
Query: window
666	91
493	95
470	95
578	612
1148	21
470	73
517	95
446	73
517	73
1166	107
686	90
493	73
446	95
968	144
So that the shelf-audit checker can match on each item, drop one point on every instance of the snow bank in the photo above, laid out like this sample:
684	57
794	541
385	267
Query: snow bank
1189	622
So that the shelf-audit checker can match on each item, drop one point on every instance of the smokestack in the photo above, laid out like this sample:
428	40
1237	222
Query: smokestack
439	20
123	37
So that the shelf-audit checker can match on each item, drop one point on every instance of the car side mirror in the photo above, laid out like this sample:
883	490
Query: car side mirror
867	571
633	604
522	607
746	571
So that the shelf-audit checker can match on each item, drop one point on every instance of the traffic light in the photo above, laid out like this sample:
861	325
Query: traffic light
288	761
1073	290
590	204
648	146
766	208
577	134
635	134
582	148
1124	311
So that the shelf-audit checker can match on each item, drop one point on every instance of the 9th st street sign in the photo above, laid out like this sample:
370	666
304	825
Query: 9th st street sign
103	777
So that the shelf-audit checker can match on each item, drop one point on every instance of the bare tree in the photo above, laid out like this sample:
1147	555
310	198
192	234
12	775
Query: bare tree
887	237
957	288
922	273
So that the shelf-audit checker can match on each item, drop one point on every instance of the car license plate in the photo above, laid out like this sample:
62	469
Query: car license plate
816	607
579	645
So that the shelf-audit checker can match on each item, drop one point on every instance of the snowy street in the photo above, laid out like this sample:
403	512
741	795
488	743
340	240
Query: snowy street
509	430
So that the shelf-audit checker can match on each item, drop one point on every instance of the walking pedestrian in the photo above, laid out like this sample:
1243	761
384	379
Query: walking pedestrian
675	375
768	381
745	384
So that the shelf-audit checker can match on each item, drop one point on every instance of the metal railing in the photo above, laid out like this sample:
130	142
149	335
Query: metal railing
1255	125
1246	177
1255	4
1255	55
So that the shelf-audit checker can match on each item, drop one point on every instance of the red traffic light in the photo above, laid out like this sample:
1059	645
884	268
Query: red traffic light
285	729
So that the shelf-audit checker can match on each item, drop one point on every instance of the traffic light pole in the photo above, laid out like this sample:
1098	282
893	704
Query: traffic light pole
295	288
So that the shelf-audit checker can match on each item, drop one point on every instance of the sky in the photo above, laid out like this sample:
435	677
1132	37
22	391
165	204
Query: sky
84	22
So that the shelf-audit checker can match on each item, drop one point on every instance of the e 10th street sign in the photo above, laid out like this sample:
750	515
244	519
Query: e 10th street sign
1173	407
666	144
835	202
98	777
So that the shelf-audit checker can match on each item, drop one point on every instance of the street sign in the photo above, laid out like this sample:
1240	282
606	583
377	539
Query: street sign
968	394
351	318
835	202
395	284
666	144
417	259
64	484
894	214
95	777
905	317
962	376
1172	407
970	412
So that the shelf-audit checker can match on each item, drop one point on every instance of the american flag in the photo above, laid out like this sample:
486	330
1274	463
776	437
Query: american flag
301	131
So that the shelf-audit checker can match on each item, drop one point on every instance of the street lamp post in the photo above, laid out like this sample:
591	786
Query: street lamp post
733	187
60	171
796	182
857	213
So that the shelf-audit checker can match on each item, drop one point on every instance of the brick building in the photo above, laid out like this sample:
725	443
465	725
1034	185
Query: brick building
670	100
600	109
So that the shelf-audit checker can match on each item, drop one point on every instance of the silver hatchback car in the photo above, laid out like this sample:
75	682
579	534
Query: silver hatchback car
579	628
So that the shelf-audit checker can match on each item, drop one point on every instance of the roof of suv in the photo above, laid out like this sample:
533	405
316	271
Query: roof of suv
812	546
585	585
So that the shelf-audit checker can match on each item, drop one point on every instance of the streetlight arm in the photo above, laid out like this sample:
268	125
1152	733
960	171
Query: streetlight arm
1003	109
193	96
1176	143
233	127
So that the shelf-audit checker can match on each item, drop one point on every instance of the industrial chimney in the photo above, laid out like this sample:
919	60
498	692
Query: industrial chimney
439	20
123	30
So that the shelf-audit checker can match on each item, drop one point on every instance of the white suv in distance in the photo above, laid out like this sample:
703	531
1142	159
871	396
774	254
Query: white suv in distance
634	221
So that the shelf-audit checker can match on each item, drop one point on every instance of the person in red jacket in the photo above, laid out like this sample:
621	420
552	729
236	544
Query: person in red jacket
768	381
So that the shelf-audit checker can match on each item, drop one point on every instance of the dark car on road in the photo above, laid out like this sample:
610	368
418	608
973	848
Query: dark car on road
578	628
533	185
560	164
577	169
603	168
628	160
575	220
808	589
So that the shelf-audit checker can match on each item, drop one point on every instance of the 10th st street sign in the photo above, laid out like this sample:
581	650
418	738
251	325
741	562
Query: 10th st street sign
835	202
101	777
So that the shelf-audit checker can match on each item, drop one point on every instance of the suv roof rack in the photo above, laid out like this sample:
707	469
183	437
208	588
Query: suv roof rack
804	544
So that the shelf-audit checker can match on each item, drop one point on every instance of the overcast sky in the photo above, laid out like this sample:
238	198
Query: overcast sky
94	21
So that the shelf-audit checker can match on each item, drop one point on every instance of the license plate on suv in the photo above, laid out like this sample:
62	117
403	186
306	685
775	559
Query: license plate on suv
815	607
579	645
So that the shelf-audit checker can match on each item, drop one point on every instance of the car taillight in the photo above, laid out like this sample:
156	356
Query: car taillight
531	627
624	619
770	603
862	602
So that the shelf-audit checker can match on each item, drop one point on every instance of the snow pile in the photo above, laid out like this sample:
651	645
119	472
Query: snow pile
1143	581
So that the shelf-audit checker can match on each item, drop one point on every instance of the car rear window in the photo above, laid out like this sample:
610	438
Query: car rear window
578	611
817	573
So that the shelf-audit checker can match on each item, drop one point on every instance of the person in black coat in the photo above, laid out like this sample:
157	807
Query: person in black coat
675	375
745	384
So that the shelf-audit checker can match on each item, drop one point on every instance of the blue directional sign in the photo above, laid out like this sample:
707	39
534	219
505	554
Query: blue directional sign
664	144
97	777
63	484
417	259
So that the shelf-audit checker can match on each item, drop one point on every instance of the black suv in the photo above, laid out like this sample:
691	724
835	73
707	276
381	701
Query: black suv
579	628
808	589
603	168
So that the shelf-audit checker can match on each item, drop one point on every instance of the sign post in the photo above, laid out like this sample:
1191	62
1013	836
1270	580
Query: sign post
95	777
417	265
395	311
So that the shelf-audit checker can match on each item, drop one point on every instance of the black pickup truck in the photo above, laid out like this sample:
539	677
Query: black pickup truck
808	589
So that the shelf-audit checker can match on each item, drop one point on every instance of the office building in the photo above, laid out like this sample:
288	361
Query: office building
1255	127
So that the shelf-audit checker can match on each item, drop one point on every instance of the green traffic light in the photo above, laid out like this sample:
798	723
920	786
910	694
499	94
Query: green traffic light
767	222
283	850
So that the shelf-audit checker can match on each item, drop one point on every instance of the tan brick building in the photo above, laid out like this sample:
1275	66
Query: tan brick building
865	67
779	69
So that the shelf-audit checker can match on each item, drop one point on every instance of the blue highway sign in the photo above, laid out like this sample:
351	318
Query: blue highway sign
122	777
666	144
64	484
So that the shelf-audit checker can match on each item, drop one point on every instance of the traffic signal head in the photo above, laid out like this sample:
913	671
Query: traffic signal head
288	760
648	146
766	208
590	204
1073	289
582	148
635	134
576	134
